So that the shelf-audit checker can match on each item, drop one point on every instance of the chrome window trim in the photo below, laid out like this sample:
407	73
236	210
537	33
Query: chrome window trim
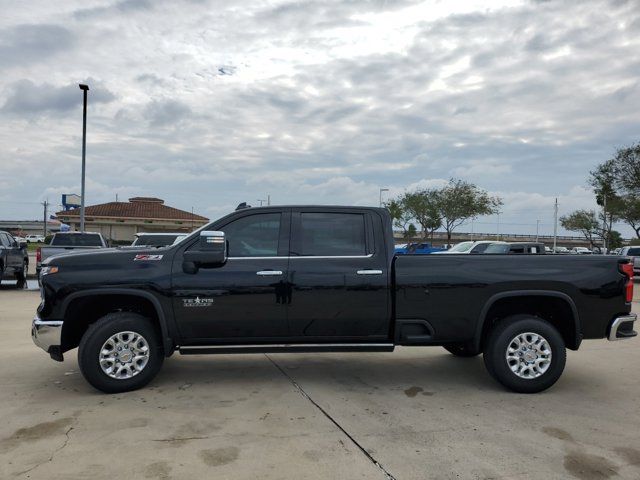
301	256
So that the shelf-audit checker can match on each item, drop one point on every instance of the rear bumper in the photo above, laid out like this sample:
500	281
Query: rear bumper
622	327
47	334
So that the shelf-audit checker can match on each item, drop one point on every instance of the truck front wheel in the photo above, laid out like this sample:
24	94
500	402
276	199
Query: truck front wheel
120	352
525	353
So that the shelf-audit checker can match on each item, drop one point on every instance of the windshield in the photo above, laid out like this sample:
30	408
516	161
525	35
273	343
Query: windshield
461	247
76	240
155	240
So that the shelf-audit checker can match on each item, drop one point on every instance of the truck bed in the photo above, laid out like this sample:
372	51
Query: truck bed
453	293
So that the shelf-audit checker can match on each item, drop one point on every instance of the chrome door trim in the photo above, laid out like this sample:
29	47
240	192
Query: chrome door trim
369	272
269	273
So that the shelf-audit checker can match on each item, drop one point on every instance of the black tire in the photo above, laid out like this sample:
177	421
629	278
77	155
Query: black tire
462	350
500	338
99	332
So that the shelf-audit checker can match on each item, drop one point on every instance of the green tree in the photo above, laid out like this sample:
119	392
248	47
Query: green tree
584	221
422	205
603	181
614	240
630	213
399	215
460	201
606	180
627	169
410	232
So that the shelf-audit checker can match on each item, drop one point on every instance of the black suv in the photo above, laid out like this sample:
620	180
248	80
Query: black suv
14	259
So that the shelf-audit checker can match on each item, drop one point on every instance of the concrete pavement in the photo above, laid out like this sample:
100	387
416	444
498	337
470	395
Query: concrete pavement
417	413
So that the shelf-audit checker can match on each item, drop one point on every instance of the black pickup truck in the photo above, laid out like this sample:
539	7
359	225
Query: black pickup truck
319	279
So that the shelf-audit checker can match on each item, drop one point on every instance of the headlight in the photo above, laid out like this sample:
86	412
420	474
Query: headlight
48	270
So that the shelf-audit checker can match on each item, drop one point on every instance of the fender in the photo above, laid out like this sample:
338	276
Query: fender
529	293
166	339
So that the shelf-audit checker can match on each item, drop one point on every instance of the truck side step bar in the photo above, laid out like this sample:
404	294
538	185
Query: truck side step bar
291	347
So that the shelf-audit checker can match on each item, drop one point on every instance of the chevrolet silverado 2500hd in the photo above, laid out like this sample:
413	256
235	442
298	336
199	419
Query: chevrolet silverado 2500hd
314	278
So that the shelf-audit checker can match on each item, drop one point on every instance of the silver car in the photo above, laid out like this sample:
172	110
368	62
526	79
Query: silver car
634	253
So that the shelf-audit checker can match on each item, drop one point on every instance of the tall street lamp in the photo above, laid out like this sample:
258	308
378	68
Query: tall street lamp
85	89
382	190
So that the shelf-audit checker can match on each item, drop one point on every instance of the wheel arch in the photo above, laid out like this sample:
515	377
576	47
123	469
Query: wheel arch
572	332
102	300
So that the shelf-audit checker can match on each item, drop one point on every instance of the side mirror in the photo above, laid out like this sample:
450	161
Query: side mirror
209	252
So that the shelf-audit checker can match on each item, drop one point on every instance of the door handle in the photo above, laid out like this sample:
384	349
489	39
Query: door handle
268	273
369	272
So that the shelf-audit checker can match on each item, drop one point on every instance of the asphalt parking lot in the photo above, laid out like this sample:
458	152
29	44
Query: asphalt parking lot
417	413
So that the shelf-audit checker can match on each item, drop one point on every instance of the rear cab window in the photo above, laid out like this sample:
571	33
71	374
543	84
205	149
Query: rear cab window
76	240
332	234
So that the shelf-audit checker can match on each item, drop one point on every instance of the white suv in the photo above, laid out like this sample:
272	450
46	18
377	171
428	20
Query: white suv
34	238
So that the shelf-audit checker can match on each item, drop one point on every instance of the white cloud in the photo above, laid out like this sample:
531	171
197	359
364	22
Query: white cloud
212	103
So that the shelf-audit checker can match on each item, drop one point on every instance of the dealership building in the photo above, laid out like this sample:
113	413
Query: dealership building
120	221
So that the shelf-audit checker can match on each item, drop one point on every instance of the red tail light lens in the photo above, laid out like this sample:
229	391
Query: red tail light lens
38	255
627	269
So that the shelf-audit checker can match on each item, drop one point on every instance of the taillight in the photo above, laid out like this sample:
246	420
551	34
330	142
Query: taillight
627	269
38	255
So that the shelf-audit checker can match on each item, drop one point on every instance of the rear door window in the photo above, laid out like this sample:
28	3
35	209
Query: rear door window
634	252
332	234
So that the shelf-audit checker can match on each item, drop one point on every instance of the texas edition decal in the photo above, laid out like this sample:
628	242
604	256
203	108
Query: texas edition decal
197	302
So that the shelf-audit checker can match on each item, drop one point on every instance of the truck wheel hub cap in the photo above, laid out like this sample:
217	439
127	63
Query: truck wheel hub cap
124	355
528	355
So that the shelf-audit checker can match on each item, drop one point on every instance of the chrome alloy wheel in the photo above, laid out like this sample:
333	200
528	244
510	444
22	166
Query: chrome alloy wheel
528	355
124	355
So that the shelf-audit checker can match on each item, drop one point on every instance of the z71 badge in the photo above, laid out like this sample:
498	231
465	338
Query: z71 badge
147	257
197	302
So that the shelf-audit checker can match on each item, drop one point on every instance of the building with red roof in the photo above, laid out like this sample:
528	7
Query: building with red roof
120	221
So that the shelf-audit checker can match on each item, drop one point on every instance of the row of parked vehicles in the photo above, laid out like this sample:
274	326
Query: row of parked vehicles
14	259
493	246
14	256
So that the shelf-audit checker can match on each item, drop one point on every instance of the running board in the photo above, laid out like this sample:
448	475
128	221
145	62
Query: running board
287	347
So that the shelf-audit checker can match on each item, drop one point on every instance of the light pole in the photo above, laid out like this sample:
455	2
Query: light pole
555	225
537	229
85	89
382	190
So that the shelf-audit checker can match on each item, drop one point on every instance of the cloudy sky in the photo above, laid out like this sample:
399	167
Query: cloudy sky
210	103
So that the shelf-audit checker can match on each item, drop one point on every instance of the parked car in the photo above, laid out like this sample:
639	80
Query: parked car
470	247
562	250
65	243
417	249
515	248
157	239
318	279
634	253
21	240
34	238
581	251
14	259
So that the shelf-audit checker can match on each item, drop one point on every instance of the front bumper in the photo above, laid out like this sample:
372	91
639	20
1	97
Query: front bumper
47	334
622	327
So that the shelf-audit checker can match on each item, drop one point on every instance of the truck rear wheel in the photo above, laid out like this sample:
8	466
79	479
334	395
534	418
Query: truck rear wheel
525	353
120	352
462	350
